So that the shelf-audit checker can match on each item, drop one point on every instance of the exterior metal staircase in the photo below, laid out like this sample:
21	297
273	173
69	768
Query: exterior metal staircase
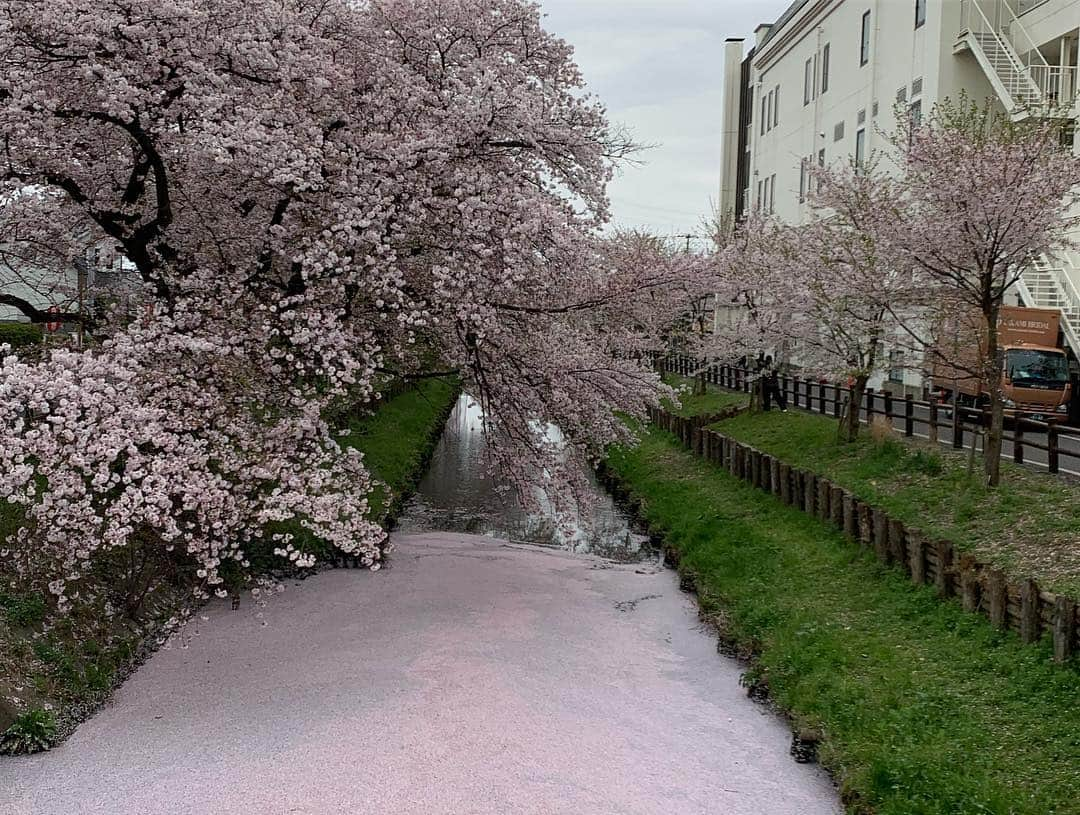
1049	283
1024	81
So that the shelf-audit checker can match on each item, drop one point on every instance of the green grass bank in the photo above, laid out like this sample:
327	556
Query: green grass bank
1028	527
923	709
50	679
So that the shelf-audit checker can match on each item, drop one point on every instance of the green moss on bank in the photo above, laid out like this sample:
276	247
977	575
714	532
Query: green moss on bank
1028	526
397	438
925	710
709	403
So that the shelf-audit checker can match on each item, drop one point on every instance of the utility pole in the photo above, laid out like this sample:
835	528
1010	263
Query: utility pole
688	239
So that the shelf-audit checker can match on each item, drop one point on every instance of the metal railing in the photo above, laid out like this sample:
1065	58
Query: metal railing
1057	83
1050	445
1017	80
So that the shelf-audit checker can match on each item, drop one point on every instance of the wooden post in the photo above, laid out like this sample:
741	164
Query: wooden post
1052	447
785	484
774	476
897	544
821	397
824	491
943	579
932	432
997	600
851	519
957	424
969	589
888	407
795	395
869	405
809	487
1029	611
837	394
909	416
836	507
866	524
918	557
1064	628
809	395
881	535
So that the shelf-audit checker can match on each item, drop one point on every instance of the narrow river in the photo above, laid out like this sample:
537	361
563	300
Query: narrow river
476	675
457	495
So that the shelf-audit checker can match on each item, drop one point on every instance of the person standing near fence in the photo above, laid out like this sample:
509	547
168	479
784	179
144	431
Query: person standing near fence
771	386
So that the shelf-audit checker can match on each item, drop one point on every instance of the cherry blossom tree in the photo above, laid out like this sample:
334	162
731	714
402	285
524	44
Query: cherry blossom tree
754	295
849	279
982	196
316	195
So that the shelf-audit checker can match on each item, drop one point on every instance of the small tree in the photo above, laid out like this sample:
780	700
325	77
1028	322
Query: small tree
753	291
983	195
848	277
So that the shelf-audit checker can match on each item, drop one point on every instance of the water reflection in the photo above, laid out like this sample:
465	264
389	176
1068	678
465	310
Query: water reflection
457	495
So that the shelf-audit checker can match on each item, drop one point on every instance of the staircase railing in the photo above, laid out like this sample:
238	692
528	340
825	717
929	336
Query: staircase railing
1065	288
1057	83
1021	40
1020	85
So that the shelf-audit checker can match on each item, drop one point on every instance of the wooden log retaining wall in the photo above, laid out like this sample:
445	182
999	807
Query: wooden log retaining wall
1022	607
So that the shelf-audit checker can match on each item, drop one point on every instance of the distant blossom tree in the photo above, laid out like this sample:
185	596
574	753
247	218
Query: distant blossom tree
848	279
316	195
982	195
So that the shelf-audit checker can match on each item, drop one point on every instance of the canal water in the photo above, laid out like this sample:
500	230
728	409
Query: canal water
457	494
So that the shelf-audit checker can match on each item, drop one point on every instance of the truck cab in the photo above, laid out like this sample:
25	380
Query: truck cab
1036	382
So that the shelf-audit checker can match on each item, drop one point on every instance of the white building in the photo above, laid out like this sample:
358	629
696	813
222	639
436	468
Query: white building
822	82
70	287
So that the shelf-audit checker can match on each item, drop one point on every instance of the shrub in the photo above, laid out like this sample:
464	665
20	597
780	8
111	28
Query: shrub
24	610
20	335
31	732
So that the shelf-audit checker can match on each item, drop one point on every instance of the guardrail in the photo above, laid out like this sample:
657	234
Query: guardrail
1043	444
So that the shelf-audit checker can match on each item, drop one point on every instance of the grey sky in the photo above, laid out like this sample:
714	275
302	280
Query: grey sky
657	65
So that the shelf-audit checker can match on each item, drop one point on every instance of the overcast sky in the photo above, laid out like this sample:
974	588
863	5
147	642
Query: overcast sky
658	66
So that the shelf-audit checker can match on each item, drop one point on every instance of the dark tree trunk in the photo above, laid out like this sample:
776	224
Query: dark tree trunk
848	431
992	375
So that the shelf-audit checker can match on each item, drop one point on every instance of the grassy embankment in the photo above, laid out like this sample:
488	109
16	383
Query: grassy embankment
1028	527
67	667
923	709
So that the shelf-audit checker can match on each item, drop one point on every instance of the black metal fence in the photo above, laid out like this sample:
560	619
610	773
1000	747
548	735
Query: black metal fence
1046	444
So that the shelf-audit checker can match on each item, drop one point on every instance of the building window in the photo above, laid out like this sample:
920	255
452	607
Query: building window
860	148
920	12
808	81
776	107
916	86
825	68
764	112
772	192
896	367
860	118
864	46
759	202
802	180
915	111
838	131
772	109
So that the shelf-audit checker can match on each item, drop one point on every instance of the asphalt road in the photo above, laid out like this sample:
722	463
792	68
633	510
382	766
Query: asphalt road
1068	438
472	677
